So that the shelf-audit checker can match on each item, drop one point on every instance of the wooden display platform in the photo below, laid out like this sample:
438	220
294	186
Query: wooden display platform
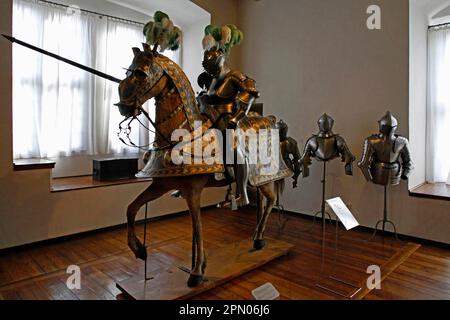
224	264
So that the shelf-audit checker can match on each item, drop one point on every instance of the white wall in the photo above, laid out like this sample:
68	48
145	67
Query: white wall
28	211
192	51
418	89
223	12
310	57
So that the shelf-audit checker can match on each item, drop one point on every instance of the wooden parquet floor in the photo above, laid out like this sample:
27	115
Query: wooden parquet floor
408	271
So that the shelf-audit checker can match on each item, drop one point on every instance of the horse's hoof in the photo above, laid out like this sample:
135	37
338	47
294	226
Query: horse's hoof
194	281
141	253
259	244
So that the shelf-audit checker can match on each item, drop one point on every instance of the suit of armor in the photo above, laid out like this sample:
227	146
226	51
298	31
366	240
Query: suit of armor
386	157
288	148
226	97
326	146
229	93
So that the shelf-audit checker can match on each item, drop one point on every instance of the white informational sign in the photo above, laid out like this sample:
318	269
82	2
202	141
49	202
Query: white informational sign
343	213
266	292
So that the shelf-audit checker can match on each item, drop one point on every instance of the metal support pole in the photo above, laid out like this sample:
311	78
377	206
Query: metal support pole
385	220
385	209
145	243
322	211
324	180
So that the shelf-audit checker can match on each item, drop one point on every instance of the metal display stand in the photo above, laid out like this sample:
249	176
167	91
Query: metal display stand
145	243
385	221
322	211
355	288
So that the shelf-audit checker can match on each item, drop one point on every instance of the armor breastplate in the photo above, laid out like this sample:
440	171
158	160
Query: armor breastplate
382	159
386	173
226	90
223	98
221	101
385	150
325	148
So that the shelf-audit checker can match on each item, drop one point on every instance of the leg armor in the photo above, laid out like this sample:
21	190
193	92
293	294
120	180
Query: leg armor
241	174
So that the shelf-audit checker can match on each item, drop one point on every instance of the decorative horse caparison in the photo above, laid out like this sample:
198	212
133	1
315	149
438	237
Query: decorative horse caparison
153	75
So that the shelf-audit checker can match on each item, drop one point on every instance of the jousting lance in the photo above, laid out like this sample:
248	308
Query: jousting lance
55	56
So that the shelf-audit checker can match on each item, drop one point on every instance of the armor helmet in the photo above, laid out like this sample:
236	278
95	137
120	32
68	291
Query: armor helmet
213	61
388	124
325	123
283	130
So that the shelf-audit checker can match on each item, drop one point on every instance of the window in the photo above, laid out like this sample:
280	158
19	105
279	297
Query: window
59	110
438	109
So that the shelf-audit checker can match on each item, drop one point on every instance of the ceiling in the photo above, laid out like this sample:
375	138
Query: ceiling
182	12
443	13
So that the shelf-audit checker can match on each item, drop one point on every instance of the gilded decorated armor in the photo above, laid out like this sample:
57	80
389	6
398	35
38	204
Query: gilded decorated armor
226	98
226	93
386	157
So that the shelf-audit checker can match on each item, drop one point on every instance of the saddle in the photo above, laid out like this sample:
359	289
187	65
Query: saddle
201	152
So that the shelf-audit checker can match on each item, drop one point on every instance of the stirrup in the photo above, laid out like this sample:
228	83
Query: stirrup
233	205
176	194
242	202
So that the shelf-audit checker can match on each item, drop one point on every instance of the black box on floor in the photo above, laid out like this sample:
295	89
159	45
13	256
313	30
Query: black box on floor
114	169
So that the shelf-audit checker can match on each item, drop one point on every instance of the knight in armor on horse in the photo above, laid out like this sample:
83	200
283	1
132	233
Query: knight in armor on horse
227	95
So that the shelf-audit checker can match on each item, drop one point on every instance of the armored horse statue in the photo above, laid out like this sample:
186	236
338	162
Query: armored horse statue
152	75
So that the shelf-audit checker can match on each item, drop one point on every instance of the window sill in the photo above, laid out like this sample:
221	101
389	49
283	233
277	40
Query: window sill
33	164
439	191
87	182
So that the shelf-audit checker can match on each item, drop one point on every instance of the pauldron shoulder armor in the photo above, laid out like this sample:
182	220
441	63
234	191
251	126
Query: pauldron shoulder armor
346	154
372	139
244	83
400	143
237	75
403	148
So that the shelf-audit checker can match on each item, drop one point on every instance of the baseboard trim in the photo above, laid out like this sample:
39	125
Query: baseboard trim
408	238
174	215
75	236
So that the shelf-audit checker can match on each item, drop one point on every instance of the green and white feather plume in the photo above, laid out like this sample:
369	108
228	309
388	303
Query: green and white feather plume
224	38
162	32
